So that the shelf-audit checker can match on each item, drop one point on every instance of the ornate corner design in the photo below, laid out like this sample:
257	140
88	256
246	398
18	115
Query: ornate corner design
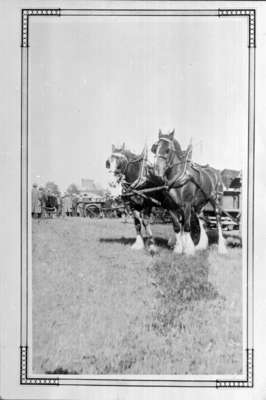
26	13
249	382
251	14
24	379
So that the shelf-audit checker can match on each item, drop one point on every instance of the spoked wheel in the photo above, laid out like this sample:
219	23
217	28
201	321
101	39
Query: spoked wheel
92	211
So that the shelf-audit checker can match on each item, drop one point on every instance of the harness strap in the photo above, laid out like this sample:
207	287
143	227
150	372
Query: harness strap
180	180
133	192
200	186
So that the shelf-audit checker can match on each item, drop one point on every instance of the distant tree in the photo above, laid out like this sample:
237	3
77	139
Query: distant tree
73	189
53	187
108	192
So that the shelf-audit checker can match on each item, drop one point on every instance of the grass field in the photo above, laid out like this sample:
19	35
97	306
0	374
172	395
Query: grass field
101	308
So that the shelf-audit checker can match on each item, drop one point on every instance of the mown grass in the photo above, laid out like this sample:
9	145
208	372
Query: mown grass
101	308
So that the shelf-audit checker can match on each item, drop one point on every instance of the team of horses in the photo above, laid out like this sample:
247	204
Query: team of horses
174	182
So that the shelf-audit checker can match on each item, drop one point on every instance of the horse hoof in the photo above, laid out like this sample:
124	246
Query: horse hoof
190	252
200	248
153	249
171	242
222	250
139	244
178	250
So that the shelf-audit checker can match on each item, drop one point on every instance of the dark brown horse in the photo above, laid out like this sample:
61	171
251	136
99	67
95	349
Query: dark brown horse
190	186
132	172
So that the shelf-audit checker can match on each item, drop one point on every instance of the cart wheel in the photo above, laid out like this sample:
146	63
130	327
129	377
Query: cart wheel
92	212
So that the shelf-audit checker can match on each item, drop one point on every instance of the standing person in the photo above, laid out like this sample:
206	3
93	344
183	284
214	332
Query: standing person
42	197
64	205
74	205
80	207
67	205
35	202
51	203
70	206
59	205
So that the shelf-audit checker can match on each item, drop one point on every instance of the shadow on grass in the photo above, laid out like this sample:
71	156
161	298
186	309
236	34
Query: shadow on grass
61	371
233	239
159	241
121	240
163	243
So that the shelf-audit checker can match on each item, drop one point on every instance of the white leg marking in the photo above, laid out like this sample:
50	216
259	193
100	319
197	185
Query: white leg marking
203	242
189	247
179	243
171	241
221	242
153	249
148	230
139	244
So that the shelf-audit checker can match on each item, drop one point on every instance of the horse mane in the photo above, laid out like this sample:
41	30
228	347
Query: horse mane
176	145
131	156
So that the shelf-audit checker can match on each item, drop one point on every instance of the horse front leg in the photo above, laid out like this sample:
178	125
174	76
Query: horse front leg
203	241
178	249
221	241
189	247
139	243
147	225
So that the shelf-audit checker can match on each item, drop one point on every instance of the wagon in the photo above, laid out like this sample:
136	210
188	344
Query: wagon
101	208
231	211
160	216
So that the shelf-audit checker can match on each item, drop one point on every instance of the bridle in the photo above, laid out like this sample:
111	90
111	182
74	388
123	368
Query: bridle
121	173
170	156
122	157
178	180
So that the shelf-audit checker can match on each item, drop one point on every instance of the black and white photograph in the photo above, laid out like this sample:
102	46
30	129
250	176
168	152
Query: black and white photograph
136	196
137	163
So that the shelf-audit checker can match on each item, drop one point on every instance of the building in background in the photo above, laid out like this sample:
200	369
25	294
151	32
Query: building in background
91	188
231	178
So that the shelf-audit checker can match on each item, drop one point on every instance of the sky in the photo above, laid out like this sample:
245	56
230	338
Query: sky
98	81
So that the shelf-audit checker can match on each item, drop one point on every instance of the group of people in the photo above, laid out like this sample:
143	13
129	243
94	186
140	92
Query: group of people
45	203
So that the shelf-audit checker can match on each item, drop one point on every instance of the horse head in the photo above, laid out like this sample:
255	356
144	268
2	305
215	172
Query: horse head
117	161
165	149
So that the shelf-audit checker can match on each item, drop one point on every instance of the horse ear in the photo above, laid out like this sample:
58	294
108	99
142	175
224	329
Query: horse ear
160	133
113	148
171	135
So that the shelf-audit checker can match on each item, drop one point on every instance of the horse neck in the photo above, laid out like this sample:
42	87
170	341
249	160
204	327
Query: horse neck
176	165
133	167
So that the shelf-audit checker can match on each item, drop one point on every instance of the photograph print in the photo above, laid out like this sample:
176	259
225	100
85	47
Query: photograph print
137	182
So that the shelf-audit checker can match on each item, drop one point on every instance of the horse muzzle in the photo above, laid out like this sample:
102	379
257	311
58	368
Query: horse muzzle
160	168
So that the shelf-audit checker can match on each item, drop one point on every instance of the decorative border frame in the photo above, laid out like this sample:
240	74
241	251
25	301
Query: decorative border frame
25	379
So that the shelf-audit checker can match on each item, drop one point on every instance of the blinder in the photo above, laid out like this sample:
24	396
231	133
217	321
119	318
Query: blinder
154	148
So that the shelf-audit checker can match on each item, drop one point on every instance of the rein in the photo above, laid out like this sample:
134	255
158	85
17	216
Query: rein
178	179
